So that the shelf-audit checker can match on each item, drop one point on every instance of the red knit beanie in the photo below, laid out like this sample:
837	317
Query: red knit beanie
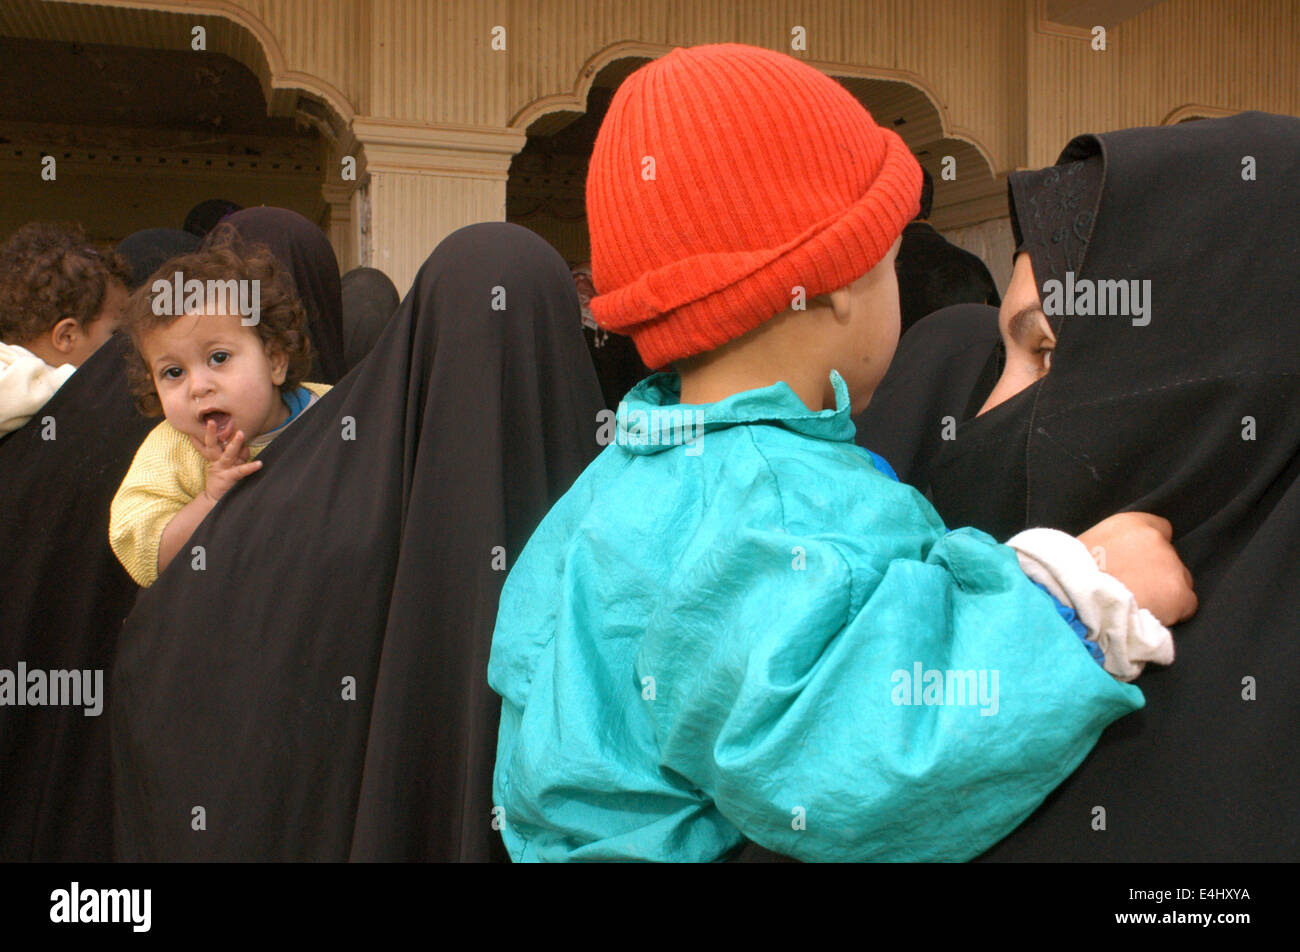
722	178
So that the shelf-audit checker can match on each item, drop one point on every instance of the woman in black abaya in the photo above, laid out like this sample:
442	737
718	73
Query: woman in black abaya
305	253
319	688
63	597
1194	416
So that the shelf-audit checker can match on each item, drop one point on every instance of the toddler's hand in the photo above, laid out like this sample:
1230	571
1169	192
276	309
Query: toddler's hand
1135	548
225	466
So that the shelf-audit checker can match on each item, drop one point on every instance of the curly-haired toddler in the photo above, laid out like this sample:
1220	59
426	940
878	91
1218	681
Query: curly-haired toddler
227	378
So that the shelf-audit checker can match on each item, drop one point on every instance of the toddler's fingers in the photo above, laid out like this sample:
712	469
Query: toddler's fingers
209	448
246	469
232	449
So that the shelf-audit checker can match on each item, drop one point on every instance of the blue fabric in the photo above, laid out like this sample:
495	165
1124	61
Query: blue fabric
1078	627
296	401
750	630
883	466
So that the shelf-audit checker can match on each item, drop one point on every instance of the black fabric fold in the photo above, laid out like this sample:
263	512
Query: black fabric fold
372	545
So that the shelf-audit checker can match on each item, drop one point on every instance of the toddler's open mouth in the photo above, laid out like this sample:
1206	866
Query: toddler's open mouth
222	420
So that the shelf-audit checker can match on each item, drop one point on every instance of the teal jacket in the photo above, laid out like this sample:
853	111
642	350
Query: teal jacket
735	625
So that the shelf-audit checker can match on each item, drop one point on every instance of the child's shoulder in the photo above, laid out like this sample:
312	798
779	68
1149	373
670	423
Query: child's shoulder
791	453
167	457
165	439
830	483
320	389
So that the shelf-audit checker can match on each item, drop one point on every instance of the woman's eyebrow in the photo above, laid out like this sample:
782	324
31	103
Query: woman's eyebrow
1023	324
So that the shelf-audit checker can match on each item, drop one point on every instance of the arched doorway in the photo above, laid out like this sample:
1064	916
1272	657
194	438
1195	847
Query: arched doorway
141	125
546	188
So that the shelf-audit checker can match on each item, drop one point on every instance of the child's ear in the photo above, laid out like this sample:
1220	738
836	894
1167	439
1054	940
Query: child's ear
279	364
842	304
65	335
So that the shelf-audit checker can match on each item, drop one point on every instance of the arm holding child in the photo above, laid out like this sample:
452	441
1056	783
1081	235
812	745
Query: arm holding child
877	708
1123	580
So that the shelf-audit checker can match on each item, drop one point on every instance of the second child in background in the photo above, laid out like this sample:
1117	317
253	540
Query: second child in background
60	300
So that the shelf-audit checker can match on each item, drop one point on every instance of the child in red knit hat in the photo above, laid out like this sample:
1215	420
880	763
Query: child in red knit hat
737	625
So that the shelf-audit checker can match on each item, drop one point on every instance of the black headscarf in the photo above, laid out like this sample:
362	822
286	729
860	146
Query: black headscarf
369	300
63	597
1194	417
372	545
206	215
1053	211
306	254
145	251
933	273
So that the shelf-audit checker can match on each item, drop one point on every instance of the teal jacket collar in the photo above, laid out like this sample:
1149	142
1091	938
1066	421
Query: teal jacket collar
652	416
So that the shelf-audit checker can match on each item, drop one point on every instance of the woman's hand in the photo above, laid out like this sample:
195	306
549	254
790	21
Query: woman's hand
1135	548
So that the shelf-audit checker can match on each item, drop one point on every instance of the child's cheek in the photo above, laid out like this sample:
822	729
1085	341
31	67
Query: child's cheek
172	409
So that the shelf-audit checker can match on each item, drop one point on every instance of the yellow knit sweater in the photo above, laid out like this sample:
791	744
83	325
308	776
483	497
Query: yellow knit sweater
165	476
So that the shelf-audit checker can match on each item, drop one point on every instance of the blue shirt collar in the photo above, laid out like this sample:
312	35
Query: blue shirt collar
296	401
777	405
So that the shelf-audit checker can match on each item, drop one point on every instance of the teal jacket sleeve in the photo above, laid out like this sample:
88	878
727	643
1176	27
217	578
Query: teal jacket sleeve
840	706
